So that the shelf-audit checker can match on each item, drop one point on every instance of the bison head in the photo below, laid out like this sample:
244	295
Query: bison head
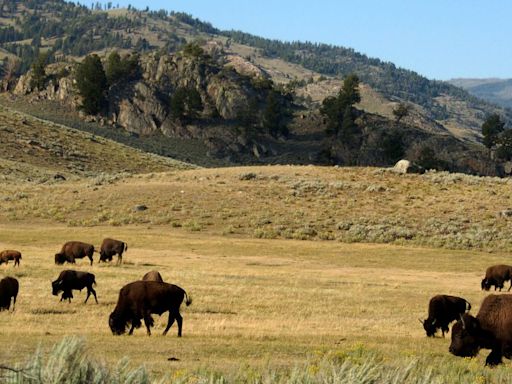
486	284
56	287
59	258
465	337
117	323
429	325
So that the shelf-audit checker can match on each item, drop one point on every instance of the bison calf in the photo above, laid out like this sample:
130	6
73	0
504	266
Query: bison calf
74	250
9	287
442	310
153	276
111	247
497	275
9	254
490	329
138	300
69	280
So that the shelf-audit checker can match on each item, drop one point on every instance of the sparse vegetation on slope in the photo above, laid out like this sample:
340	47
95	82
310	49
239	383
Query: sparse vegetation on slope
36	149
437	209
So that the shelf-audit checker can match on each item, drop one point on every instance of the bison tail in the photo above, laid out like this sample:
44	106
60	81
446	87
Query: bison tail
188	300
125	247
469	305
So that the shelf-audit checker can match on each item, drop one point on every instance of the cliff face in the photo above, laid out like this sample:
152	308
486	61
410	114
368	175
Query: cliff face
234	94
142	106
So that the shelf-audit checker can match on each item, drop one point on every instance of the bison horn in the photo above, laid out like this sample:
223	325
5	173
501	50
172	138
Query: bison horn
421	321
434	321
463	323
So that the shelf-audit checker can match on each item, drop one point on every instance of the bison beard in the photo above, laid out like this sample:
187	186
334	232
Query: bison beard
140	299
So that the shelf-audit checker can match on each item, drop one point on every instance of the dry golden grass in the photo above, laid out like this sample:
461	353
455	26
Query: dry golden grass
256	302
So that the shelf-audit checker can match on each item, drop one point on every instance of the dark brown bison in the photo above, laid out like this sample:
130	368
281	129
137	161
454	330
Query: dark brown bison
490	329
138	300
69	280
497	275
74	250
153	276
442	310
111	247
9	254
9	287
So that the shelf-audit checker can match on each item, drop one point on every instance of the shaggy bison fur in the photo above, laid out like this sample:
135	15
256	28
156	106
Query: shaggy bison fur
9	288
140	299
442	310
111	247
153	276
73	250
69	280
9	254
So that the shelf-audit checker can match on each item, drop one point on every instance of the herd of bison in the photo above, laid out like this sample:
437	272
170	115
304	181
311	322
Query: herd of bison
137	300
490	329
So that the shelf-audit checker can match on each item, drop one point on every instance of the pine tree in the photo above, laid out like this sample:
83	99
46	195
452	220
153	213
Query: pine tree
92	84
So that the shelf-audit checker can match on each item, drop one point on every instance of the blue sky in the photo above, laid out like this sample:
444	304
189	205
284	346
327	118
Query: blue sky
440	39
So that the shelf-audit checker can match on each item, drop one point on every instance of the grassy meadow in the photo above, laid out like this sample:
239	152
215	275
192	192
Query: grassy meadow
281	293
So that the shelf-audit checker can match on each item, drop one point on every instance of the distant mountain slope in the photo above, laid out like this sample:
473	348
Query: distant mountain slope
496	91
260	98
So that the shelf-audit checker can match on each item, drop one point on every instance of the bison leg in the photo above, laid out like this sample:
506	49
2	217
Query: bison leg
494	358
17	263
90	258
89	291
170	322
179	320
148	321
131	329
120	260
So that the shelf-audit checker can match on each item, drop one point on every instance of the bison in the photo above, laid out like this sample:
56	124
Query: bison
490	329
111	247
153	276
74	250
9	254
497	275
442	310
69	280
138	300
9	287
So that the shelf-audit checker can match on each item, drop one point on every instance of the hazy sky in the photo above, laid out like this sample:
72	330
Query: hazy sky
440	39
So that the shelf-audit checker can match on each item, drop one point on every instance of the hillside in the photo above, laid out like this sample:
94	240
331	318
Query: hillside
496	91
260	99
374	205
34	149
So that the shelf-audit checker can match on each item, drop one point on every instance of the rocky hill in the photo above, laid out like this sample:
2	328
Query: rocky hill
260	99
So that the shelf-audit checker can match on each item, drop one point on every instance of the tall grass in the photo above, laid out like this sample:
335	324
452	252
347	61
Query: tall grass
68	363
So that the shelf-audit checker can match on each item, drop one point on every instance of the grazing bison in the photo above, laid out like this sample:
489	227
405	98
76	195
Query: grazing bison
442	310
74	250
138	300
497	275
9	254
153	276
490	329
69	280
9	287
111	247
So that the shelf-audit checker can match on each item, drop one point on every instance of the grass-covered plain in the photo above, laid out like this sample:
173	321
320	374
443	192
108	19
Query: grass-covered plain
261	307
298	274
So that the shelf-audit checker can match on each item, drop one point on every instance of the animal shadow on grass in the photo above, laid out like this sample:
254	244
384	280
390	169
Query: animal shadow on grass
51	311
